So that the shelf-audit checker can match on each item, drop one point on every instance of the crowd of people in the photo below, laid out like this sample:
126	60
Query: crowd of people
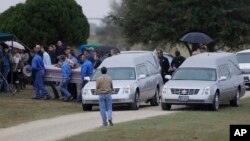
14	59
65	58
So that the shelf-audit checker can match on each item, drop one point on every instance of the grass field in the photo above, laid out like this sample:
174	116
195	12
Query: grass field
21	108
189	125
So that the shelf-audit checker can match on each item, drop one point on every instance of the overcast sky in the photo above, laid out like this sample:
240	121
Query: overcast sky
91	8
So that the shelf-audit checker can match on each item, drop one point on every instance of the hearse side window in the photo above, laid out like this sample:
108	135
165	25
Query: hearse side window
142	70
151	68
219	73
156	61
225	71
234	68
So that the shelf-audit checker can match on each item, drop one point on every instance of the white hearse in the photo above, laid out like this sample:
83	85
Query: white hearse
135	76
207	78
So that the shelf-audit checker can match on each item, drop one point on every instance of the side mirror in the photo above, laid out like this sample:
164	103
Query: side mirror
168	77
223	78
142	76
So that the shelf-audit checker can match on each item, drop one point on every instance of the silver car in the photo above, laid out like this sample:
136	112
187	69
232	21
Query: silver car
208	78
244	63
135	76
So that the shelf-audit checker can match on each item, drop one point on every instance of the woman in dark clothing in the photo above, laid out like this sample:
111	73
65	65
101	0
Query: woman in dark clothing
164	64
98	61
52	54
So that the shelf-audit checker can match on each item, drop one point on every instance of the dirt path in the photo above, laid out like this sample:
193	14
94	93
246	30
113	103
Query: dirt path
69	125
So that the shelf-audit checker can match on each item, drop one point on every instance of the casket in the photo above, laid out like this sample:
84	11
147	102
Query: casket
53	73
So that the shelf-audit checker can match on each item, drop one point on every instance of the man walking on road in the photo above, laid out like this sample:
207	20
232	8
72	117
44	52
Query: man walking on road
104	87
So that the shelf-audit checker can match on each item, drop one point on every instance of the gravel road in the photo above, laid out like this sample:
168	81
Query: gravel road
69	125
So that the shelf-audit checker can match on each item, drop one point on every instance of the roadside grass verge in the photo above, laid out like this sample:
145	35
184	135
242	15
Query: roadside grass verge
21	108
189	125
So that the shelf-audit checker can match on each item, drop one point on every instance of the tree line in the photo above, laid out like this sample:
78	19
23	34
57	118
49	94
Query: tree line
139	21
46	21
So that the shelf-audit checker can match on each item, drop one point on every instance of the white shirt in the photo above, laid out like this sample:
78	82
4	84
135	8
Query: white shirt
17	58
46	59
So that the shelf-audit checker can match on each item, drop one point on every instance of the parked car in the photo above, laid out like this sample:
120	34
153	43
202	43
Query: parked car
208	78
244	63
135	76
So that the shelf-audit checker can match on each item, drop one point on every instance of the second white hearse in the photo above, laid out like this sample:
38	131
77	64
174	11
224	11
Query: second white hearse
208	78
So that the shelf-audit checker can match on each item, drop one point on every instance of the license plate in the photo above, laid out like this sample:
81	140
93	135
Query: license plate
183	98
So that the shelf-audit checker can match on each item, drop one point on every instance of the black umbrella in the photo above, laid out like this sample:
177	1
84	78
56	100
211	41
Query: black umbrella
196	37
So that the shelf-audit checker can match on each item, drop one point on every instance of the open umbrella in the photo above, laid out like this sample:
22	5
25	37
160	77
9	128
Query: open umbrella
196	37
15	45
87	46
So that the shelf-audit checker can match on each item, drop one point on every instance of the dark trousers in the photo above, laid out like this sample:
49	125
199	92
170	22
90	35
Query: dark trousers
53	87
163	77
73	90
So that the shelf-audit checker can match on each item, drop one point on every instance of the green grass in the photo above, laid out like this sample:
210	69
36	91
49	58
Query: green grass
189	125
21	108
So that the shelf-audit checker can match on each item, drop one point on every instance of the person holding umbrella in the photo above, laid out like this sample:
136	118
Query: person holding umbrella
203	49
196	39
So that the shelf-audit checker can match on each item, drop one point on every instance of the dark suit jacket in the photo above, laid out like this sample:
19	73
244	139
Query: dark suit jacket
97	64
164	65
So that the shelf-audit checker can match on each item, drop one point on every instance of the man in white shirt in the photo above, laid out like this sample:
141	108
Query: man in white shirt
46	57
47	61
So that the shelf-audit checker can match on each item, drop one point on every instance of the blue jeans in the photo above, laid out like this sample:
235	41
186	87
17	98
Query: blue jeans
39	85
105	105
64	89
5	72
